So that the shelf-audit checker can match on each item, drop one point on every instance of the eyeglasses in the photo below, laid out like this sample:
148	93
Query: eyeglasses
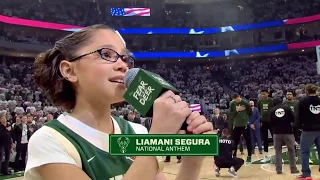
111	56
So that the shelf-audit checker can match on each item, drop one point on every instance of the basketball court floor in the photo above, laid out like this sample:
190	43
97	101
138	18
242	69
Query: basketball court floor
254	171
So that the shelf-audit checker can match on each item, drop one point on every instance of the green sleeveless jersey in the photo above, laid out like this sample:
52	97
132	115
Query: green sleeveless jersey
291	105
103	166
264	105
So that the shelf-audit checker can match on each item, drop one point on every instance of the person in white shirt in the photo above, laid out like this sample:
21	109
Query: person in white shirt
21	135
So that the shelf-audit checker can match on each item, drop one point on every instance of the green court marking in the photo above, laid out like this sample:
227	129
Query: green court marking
313	156
17	174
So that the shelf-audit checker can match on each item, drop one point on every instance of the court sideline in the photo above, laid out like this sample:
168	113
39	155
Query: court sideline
249	171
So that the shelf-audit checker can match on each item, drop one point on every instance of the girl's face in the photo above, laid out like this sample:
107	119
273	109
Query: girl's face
94	78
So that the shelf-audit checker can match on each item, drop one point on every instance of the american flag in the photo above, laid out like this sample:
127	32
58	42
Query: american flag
195	107
130	11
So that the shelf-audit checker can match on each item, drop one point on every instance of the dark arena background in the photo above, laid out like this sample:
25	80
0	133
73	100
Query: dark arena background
208	49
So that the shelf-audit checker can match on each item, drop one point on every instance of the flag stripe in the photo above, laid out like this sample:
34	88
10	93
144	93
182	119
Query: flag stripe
196	110
130	11
136	9
136	12
195	107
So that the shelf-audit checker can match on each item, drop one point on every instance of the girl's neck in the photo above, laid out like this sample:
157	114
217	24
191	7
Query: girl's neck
96	116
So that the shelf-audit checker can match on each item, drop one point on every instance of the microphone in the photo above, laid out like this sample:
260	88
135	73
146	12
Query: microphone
143	88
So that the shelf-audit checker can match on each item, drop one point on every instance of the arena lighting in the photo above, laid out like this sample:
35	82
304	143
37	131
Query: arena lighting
208	54
222	53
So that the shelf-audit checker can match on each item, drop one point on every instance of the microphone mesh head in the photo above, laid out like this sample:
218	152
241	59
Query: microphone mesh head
130	75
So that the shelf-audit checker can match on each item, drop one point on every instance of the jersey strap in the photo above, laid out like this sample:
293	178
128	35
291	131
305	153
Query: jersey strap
124	125
72	151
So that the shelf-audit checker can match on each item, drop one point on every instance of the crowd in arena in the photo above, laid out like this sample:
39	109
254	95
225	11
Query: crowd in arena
22	100
278	74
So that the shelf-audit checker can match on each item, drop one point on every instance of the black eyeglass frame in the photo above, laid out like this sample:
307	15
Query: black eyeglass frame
99	51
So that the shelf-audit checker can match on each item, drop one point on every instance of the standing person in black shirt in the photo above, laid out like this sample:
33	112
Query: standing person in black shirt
217	121
281	119
225	121
308	119
5	145
225	158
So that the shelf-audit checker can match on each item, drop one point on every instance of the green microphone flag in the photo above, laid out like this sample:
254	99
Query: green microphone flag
144	89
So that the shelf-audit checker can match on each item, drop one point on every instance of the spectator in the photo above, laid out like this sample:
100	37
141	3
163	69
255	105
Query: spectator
5	144
49	117
255	128
307	119
132	117
217	121
21	134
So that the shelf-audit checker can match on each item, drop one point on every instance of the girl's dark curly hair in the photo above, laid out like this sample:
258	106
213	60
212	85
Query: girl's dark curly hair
46	66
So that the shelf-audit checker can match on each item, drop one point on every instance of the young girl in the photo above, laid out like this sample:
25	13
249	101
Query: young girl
84	72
